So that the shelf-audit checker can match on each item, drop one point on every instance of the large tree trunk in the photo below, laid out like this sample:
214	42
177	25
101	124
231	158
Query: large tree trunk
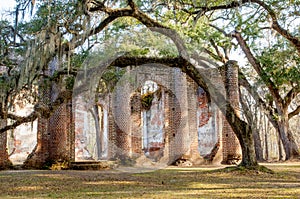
267	147
4	161
291	149
280	151
257	145
255	123
248	150
243	132
95	114
295	149
242	129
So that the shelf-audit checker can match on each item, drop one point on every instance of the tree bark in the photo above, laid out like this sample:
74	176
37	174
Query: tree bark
4	161
95	114
257	145
267	147
247	144
291	149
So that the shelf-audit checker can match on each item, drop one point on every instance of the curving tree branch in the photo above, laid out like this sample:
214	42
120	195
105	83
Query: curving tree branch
256	65
294	112
39	110
19	120
290	96
273	15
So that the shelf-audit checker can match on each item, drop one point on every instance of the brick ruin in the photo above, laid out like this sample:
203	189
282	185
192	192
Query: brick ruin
154	115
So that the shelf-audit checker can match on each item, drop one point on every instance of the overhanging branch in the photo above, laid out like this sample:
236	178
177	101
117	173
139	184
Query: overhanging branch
294	113
39	110
290	96
256	65
20	120
275	25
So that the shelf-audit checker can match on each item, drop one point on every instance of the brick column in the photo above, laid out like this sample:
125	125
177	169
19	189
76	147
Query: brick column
55	135
231	146
61	147
4	161
121	113
60	127
40	153
135	124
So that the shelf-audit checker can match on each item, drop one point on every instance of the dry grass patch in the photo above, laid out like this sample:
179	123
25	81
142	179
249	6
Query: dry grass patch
167	183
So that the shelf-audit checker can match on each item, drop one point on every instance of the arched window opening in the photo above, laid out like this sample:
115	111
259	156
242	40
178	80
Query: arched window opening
208	127
153	134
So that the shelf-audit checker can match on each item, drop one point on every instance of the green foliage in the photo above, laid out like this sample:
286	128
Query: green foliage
78	59
109	79
146	100
70	80
62	165
282	65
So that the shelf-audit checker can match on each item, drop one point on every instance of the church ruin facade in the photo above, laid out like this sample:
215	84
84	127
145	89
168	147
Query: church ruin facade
154	114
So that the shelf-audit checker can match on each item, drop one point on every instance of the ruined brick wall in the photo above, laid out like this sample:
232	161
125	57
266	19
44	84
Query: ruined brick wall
193	154
180	117
179	122
4	162
192	125
121	116
205	124
128	134
55	135
231	146
21	141
175	133
85	131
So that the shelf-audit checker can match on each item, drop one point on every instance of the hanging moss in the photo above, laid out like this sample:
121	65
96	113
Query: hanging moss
147	98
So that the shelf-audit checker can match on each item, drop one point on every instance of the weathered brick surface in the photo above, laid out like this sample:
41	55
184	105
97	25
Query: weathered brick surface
180	101
231	147
55	139
136	124
60	130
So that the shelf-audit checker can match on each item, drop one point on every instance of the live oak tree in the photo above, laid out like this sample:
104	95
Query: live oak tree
267	34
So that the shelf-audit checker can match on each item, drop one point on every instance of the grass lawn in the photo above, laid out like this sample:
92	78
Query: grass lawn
172	182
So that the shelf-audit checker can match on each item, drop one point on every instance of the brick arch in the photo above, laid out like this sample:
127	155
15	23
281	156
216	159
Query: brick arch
181	113
128	92
163	122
